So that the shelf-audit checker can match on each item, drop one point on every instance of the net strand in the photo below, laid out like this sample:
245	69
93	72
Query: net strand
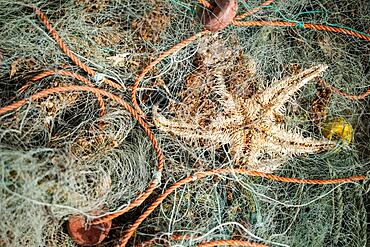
149	133
199	175
236	22
68	52
162	56
254	10
48	73
136	111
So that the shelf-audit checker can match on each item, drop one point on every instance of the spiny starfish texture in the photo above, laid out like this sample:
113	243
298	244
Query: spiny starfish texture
252	126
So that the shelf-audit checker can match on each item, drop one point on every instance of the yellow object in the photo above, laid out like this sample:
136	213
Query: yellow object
338	128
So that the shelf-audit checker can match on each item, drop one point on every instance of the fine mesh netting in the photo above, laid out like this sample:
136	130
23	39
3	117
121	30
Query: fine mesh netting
60	156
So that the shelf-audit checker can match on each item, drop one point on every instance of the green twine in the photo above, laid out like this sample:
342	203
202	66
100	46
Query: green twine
183	5
311	12
299	24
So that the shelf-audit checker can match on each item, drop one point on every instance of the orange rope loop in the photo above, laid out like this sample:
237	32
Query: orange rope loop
165	54
123	103
68	52
65	73
343	94
61	43
200	175
349	96
236	22
138	114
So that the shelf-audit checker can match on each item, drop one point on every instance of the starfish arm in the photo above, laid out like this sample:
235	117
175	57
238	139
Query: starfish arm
239	145
275	96
264	162
270	150
227	123
188	130
228	102
292	143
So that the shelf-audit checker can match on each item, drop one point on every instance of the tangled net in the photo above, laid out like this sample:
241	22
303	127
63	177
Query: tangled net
68	153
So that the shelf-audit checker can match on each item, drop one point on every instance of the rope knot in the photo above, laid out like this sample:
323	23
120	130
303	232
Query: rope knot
157	177
299	24
99	78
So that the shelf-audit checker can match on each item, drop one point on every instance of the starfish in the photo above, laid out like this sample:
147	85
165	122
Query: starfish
252	126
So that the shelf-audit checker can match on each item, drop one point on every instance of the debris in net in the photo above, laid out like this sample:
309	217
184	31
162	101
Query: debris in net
319	105
39	191
87	235
251	126
338	128
220	16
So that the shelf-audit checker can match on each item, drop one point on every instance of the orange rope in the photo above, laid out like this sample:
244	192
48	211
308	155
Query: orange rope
236	22
137	202
199	175
68	52
302	25
177	47
254	10
205	4
231	243
345	31
55	72
123	103
61	44
66	73
165	54
347	95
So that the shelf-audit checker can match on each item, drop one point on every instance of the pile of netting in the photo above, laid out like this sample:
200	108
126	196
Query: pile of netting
77	92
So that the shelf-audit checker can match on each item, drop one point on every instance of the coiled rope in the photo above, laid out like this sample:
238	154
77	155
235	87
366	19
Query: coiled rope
138	114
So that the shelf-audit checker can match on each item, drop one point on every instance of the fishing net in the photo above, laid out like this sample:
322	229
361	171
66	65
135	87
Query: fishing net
59	156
